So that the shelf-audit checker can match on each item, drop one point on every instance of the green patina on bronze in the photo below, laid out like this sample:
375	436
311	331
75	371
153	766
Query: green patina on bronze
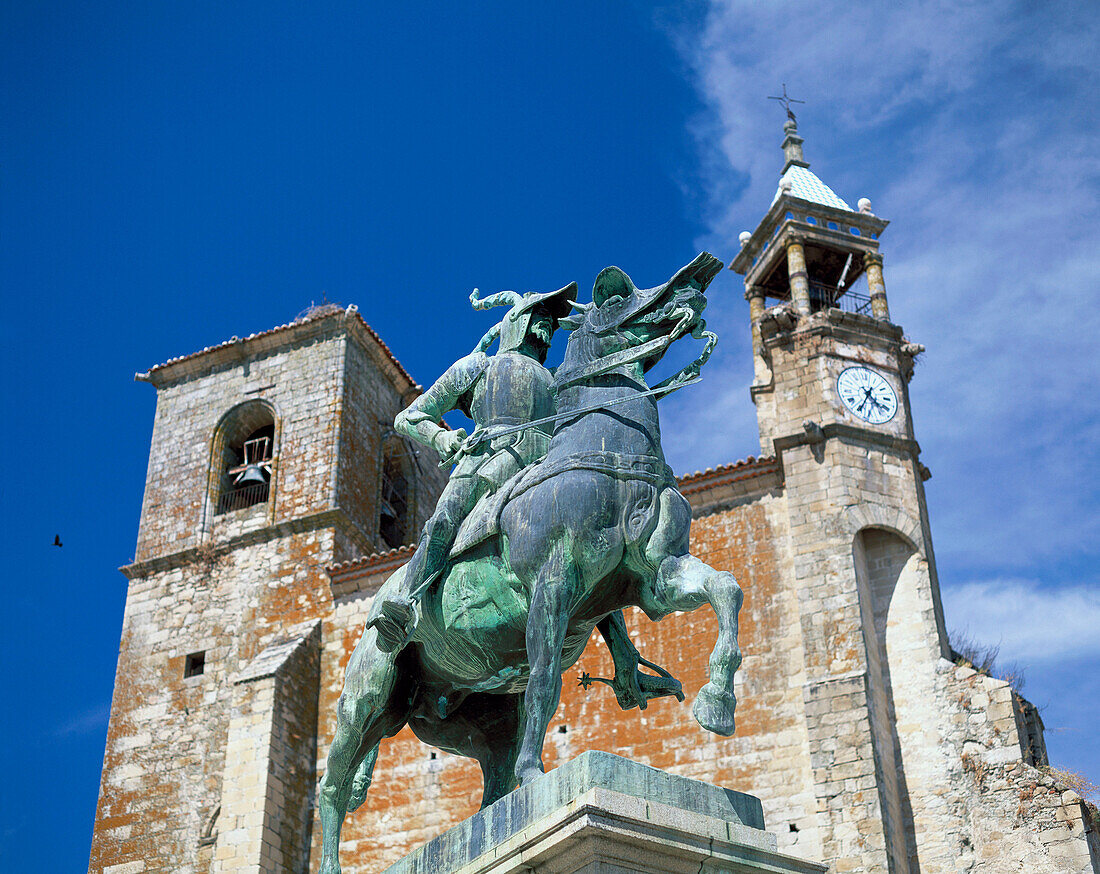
560	512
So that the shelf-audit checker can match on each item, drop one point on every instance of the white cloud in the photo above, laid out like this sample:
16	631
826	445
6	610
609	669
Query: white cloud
973	128
1031	624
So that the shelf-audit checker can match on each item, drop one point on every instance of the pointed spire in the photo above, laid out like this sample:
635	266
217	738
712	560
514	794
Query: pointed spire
792	145
797	178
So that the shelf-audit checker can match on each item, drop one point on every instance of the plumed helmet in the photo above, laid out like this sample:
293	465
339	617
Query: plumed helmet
514	326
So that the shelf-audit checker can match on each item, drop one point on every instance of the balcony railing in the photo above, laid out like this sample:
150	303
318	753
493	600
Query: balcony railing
238	499
823	296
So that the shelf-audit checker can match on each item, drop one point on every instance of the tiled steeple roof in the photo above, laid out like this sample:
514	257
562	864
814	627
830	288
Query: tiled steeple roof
805	184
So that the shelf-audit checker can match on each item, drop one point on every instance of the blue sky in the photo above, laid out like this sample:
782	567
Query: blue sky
173	175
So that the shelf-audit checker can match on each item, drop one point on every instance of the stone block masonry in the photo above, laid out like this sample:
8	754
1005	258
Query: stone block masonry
867	747
222	589
267	806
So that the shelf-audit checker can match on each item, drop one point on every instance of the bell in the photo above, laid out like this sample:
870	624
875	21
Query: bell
251	475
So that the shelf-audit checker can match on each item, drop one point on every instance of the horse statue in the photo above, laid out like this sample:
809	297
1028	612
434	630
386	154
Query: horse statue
597	525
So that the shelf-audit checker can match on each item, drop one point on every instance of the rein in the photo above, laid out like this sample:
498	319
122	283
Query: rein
663	390
687	375
610	362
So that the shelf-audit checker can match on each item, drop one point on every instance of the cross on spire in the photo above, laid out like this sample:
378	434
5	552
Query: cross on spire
786	102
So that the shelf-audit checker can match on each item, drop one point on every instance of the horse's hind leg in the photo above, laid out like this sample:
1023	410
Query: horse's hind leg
555	587
487	728
373	705
503	722
685	583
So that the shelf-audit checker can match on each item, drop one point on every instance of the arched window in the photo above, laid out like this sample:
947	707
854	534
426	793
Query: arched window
393	521
243	454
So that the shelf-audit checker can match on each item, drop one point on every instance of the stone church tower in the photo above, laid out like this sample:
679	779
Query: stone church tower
278	500
272	457
831	394
831	375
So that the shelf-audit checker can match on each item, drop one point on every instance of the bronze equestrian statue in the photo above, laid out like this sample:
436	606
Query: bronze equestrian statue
469	651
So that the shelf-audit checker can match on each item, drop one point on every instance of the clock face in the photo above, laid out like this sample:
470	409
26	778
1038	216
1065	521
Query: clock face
867	394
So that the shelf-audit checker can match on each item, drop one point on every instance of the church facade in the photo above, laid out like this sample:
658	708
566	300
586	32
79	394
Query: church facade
279	498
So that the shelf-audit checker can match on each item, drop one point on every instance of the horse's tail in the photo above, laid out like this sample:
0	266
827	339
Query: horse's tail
362	780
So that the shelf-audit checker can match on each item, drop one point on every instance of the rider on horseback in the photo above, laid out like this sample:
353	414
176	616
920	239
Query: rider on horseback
500	391
604	528
509	388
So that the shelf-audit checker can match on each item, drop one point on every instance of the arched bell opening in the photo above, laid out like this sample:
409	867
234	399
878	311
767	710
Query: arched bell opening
244	454
395	498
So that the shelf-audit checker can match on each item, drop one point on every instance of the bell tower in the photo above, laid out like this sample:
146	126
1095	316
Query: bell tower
273	457
803	264
831	374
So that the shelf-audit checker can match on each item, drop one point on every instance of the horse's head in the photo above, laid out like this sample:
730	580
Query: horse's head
629	324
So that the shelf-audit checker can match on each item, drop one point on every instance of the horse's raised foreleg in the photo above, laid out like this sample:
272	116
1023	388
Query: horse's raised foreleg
685	583
554	589
373	705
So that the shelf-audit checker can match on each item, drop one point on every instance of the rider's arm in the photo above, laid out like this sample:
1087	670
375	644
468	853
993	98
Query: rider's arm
420	419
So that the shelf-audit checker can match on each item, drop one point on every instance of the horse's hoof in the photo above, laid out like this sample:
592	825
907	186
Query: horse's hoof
528	775
329	866
714	710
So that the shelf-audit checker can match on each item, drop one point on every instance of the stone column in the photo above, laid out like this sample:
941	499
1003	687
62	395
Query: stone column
872	263
754	294
799	279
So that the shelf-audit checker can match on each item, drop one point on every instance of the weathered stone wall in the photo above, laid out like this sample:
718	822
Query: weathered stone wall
167	737
230	585
302	384
869	750
369	405
980	807
266	811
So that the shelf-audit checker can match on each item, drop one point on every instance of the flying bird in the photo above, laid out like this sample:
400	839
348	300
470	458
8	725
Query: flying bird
57	540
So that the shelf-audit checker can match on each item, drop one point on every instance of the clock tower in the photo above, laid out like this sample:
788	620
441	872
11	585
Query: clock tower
831	374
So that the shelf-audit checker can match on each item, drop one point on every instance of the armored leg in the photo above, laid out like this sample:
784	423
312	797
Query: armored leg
395	618
632	687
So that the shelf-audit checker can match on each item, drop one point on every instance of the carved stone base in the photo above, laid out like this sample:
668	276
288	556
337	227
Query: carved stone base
602	814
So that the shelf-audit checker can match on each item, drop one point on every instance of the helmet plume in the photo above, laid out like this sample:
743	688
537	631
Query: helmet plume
501	298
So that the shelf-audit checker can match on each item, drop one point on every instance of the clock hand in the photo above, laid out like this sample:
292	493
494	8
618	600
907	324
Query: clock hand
866	397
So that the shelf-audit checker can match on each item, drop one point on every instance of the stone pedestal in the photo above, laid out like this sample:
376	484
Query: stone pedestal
602	814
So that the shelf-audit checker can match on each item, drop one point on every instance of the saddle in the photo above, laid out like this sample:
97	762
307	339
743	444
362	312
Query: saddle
483	522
